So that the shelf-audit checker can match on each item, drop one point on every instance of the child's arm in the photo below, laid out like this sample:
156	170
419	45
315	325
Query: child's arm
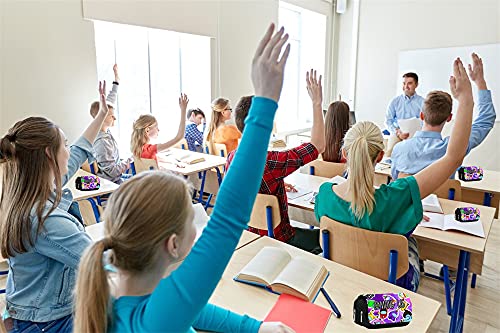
435	174
183	102
113	93
315	91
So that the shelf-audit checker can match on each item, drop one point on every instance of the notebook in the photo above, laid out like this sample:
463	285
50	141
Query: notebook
300	315
431	204
300	192
448	222
274	268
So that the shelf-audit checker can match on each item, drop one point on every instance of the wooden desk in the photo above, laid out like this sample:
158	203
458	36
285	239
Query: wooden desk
343	285
166	161
96	232
106	187
301	209
456	249
484	192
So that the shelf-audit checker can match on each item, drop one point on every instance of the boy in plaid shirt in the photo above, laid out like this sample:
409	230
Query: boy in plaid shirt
281	164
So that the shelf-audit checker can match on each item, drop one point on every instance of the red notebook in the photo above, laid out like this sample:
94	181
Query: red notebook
300	315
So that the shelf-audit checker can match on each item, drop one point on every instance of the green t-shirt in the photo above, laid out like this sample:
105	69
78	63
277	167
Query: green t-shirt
397	210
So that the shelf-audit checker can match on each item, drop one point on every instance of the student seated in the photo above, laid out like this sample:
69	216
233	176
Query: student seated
218	131
394	208
146	128
280	164
194	136
105	147
149	226
427	145
337	124
42	241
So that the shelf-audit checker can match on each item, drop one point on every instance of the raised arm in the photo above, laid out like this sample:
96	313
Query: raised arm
183	103
91	131
184	289
436	174
113	93
485	120
315	91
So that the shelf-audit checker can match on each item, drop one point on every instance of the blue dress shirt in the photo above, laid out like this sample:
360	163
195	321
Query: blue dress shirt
413	155
402	107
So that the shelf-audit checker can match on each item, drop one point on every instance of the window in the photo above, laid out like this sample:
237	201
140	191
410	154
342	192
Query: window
155	66
307	30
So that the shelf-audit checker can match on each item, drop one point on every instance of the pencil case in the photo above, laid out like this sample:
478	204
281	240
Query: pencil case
87	183
467	214
470	173
382	310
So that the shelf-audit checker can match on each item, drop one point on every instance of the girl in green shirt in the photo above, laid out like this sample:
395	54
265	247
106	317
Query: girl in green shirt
396	208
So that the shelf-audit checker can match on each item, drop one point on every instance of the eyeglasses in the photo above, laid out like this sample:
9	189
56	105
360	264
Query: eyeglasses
228	109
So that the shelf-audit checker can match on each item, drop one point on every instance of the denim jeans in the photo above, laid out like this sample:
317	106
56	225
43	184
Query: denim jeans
61	325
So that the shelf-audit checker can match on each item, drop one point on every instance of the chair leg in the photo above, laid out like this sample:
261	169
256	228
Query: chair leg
447	289
393	266
326	244
269	216
473	281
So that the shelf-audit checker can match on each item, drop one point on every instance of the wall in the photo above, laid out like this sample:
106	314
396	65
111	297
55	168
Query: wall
389	26
48	54
47	63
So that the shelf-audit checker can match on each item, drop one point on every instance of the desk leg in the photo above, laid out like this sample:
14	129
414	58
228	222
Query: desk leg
457	317
487	199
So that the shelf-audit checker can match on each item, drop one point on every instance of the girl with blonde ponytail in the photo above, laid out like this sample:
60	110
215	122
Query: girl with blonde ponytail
394	208
218	131
149	227
145	129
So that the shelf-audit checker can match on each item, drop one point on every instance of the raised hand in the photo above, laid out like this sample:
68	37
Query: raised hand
314	87
274	327
267	68
476	72
460	84
115	70
103	106
183	102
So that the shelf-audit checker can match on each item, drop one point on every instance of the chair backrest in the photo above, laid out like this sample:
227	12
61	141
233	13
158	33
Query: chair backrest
365	250
265	213
143	164
220	149
92	168
450	189
326	169
182	144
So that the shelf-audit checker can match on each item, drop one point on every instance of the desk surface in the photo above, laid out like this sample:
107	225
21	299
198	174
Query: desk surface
166	161
456	239
96	232
106	187
343	285
490	183
304	181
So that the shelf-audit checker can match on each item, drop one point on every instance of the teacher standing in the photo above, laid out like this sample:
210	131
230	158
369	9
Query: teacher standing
405	106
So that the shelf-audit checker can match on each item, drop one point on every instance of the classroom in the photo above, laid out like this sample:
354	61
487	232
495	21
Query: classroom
300	202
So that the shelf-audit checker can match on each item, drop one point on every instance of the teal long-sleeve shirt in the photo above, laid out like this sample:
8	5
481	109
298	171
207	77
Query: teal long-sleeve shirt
179	302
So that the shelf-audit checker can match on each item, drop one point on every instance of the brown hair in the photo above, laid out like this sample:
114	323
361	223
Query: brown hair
140	215
241	111
336	126
94	109
139	137
218	106
362	143
28	157
412	75
437	107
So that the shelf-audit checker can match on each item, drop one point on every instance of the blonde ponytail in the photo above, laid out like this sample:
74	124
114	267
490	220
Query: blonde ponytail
92	301
362	143
218	106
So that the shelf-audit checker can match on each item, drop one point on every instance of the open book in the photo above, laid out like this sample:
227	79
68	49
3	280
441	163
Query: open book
431	204
275	269
191	158
448	222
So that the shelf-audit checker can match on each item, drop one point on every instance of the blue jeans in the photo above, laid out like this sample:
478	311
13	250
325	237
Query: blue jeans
61	325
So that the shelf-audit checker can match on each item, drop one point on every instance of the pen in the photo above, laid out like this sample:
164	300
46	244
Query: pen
333	306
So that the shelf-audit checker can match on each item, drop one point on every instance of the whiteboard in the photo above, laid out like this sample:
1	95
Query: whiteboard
434	67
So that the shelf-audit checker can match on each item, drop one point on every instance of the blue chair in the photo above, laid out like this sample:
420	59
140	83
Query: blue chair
143	164
326	169
382	255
